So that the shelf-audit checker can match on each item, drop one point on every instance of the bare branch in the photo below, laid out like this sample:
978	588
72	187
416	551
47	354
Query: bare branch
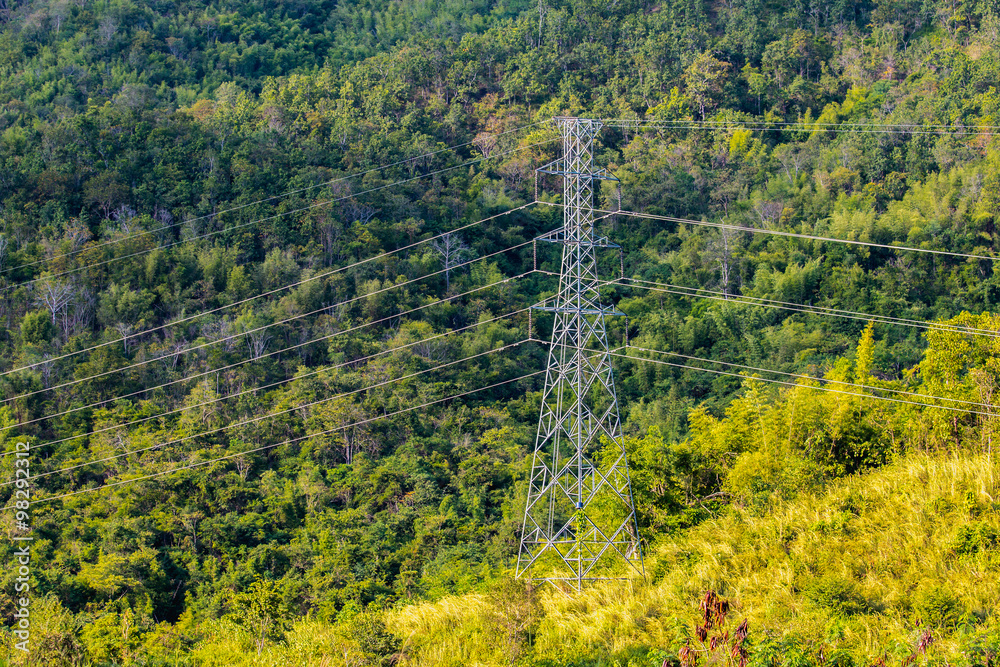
453	252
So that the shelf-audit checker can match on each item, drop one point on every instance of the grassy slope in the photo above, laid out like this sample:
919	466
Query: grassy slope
854	568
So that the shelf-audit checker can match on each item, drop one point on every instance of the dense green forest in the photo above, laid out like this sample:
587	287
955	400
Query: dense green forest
283	411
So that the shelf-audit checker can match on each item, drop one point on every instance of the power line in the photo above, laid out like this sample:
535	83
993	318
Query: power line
429	403
268	354
277	383
848	314
696	125
796	384
285	442
730	298
263	327
264	201
297	283
694	292
275	216
272	415
725	123
819	379
799	308
808	237
809	377
616	352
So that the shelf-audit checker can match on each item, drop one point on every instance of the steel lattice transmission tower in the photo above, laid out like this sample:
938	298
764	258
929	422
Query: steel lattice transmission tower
579	520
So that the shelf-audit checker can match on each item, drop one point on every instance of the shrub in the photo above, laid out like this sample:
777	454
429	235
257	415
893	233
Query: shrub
973	538
377	644
937	607
36	327
837	594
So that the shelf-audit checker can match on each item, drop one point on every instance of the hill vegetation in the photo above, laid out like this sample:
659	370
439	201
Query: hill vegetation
288	414
838	576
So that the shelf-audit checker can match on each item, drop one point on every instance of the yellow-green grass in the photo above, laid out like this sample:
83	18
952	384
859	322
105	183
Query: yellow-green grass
864	566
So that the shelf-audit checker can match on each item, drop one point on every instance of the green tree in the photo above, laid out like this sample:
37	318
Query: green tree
704	79
259	610
36	327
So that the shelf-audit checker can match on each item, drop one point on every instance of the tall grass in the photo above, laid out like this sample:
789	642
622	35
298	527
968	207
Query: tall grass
864	568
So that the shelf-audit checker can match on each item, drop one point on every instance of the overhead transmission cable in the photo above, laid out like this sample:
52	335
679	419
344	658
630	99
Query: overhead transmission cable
278	215
798	384
809	377
272	415
279	444
297	283
617	122
262	327
812	378
818	387
287	193
807	237
742	376
298	376
716	295
925	325
727	297
765	126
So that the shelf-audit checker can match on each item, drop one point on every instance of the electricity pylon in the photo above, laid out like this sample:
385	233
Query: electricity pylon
579	520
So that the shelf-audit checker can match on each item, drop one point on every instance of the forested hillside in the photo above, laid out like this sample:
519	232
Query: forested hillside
264	278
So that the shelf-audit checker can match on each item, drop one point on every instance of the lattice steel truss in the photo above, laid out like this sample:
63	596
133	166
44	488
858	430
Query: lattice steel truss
579	521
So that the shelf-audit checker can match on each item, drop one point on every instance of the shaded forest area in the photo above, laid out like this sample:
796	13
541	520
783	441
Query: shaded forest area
191	192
